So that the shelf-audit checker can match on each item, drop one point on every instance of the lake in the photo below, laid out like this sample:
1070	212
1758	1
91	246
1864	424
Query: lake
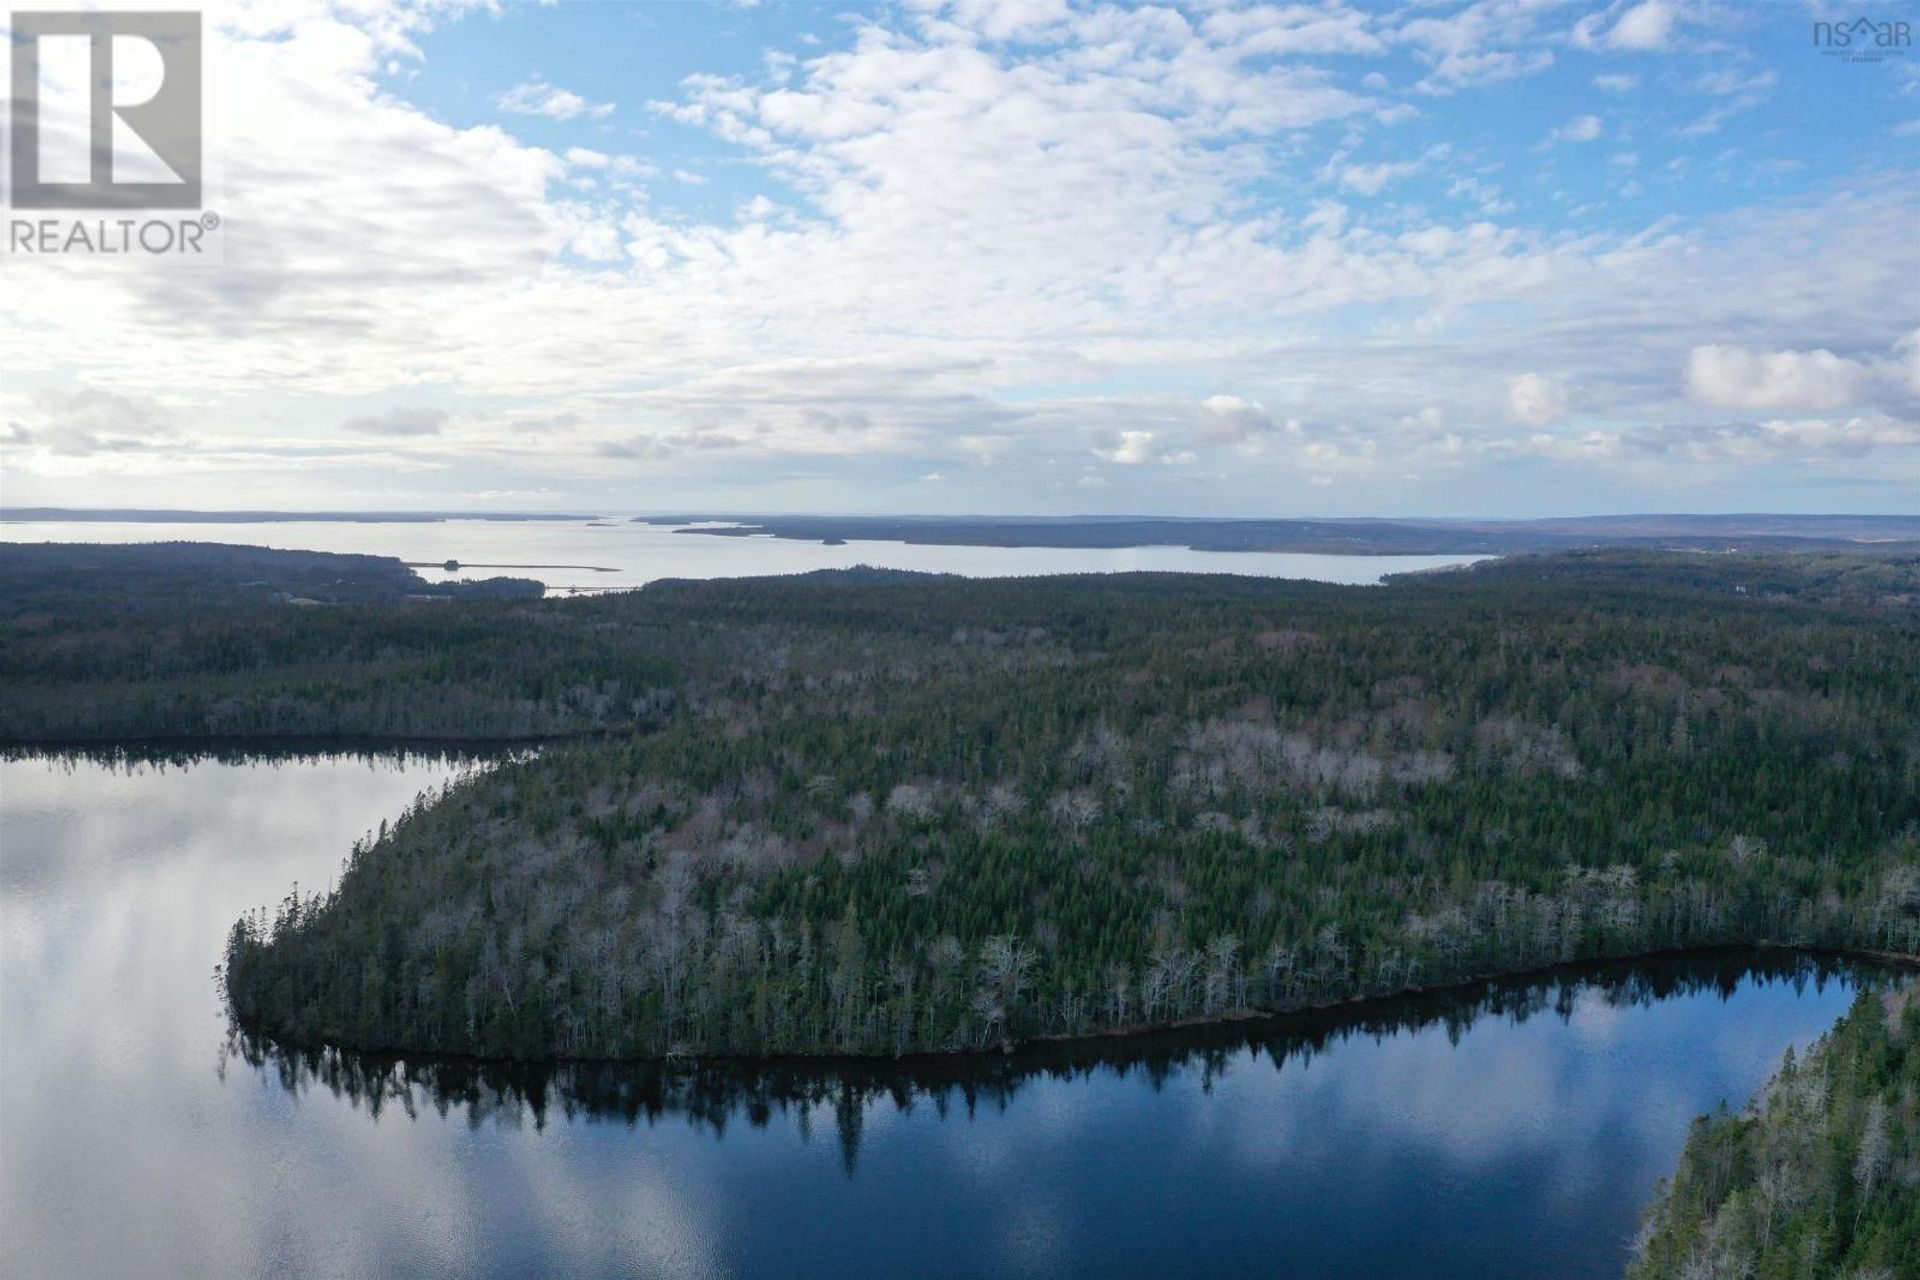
1510	1132
620	554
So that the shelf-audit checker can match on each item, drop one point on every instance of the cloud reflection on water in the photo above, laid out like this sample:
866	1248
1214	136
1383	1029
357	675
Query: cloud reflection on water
1508	1135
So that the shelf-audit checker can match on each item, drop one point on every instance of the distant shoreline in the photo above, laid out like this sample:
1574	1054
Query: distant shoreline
1351	537
137	515
1332	536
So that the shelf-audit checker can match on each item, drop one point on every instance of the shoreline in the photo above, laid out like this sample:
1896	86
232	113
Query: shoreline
319	743
1294	1018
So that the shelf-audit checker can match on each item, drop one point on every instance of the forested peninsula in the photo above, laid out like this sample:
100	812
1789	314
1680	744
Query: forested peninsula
878	813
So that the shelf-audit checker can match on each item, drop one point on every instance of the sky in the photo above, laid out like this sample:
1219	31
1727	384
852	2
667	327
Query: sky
1504	258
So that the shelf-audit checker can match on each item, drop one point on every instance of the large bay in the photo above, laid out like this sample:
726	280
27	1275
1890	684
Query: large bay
602	555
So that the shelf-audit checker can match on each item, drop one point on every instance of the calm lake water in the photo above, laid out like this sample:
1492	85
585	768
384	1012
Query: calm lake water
1515	1134
636	554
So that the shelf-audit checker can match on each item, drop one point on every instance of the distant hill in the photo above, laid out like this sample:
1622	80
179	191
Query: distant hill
1748	533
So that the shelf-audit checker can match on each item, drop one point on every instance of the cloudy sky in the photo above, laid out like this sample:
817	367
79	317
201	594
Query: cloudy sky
1514	257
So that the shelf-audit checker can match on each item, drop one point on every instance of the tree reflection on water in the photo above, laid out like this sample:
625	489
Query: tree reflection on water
718	1093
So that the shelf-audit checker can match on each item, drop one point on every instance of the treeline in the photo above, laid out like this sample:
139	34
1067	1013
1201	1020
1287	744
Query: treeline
113	644
932	815
68	583
1818	1177
720	1093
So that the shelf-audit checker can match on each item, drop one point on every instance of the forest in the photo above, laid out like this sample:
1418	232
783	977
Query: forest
172	641
894	814
873	815
880	813
105	580
1818	1176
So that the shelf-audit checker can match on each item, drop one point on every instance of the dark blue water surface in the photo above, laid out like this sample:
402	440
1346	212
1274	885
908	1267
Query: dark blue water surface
1513	1131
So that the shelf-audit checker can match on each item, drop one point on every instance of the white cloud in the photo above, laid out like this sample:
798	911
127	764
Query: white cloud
1007	19
1352	455
1477	45
1138	448
1534	401
1587	446
1293	29
1647	27
1455	71
1371	179
1738	82
1804	439
1484	194
1725	377
1231	420
1131	448
538	98
1849	436
1617	83
1578	129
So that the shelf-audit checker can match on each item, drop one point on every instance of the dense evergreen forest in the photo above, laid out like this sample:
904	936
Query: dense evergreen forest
901	814
872	812
1818	1177
115	643
44	582
185	642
